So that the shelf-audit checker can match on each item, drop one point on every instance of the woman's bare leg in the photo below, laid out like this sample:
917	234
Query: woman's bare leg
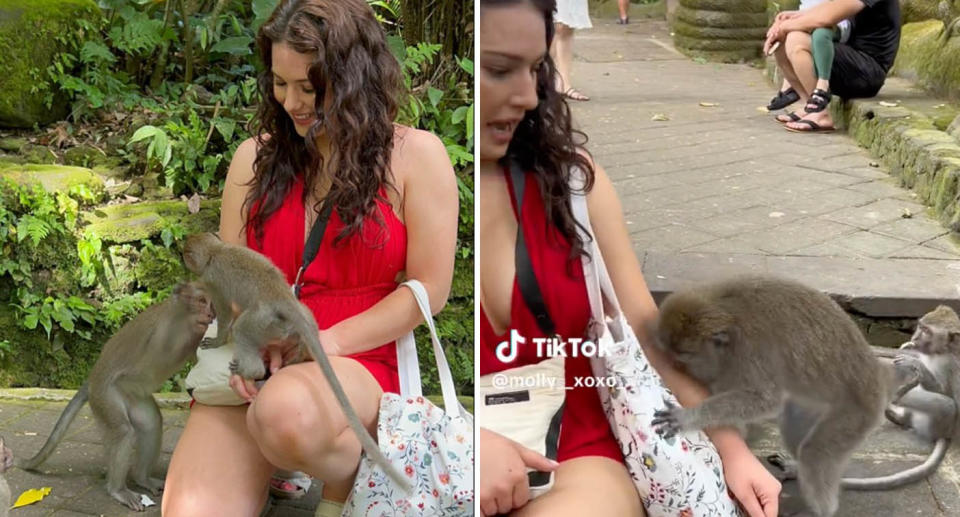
591	485
562	53
217	467
298	424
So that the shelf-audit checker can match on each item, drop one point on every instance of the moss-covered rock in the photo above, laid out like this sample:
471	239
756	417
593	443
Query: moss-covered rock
726	19
752	34
919	10
930	57
721	56
55	178
32	33
35	360
12	144
33	153
138	221
924	158
158	268
733	6
954	128
714	44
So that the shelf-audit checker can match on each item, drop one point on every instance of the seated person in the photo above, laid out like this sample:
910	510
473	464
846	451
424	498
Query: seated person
859	66
822	52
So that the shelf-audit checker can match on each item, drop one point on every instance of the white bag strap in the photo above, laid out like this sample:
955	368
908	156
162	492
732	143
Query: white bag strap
409	366
450	402
599	285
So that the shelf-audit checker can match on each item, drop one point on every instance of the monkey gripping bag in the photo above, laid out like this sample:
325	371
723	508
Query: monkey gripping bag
432	446
681	475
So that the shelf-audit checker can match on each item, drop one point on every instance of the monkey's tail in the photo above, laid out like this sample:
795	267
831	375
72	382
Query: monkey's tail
367	441
73	407
903	477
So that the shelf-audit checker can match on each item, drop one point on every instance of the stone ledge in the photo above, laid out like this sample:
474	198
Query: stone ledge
880	288
164	400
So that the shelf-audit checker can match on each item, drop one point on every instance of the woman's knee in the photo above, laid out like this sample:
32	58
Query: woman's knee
288	421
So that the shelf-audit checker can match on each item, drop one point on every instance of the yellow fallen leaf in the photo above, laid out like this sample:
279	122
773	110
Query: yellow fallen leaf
709	104
763	109
659	117
31	496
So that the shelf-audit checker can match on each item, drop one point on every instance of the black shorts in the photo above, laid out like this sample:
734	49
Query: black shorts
854	73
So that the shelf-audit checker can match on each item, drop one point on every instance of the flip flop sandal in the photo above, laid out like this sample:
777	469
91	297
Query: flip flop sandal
793	117
293	487
819	99
783	99
814	127
575	95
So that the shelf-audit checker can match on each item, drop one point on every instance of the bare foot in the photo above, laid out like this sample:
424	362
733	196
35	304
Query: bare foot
812	122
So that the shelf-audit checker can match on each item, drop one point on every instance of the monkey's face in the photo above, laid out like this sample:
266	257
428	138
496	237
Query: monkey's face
695	336
197	251
938	332
196	302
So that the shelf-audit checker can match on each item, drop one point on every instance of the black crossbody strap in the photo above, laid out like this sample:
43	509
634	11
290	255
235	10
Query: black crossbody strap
526	280
312	247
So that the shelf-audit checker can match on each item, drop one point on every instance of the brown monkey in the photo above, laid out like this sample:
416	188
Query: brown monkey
927	387
6	461
767	347
133	363
239	278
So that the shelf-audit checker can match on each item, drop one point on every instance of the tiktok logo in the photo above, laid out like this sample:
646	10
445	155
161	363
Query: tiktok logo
507	350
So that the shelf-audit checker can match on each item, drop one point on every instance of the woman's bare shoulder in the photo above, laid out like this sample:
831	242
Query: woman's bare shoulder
419	151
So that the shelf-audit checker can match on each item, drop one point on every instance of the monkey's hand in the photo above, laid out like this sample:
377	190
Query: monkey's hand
668	422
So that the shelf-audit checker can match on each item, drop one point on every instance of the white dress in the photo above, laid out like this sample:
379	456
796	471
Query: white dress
573	14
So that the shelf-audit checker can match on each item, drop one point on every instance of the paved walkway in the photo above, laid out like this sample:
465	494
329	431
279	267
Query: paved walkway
718	187
75	471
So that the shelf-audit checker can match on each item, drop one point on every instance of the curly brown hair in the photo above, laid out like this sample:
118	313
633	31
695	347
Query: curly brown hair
353	65
546	143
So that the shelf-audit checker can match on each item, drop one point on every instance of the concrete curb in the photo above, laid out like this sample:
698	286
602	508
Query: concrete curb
164	400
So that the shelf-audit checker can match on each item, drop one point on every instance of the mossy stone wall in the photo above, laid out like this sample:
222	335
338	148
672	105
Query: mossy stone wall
32	32
930	56
720	30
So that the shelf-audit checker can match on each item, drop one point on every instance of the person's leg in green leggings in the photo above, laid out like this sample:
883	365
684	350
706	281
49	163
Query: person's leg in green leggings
822	41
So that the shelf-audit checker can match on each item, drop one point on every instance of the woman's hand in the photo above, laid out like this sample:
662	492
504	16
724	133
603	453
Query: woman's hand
503	472
275	355
754	487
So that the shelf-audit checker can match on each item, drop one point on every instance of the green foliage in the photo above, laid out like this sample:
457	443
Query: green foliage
56	292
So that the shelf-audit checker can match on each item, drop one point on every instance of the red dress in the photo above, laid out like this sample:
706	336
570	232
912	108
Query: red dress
584	429
345	280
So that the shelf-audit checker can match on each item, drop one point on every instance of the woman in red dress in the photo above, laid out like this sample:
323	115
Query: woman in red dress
325	135
523	120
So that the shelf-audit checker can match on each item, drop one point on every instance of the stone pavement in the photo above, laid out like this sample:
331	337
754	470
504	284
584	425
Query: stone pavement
718	187
75	471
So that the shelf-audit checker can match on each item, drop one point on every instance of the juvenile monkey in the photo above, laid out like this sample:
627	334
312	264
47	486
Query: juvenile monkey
927	402
133	363
6	461
767	347
241	279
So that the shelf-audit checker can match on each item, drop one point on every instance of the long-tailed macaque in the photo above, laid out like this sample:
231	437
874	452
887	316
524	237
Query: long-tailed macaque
242	280
926	387
767	347
133	363
6	461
